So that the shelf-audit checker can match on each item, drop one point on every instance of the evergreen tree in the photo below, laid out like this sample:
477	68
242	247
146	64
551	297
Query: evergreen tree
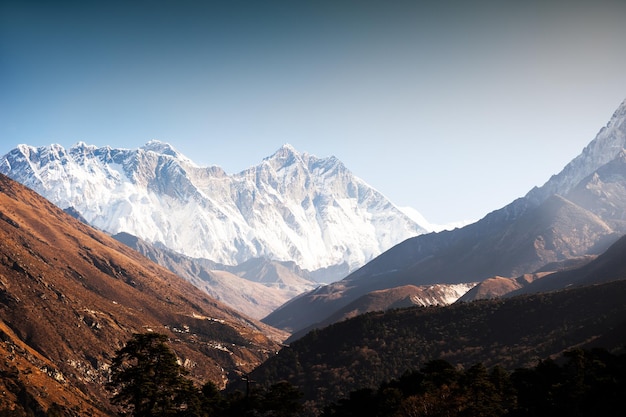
147	380
281	400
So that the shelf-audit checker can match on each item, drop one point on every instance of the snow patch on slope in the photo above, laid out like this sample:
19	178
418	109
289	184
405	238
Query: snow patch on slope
418	218
446	294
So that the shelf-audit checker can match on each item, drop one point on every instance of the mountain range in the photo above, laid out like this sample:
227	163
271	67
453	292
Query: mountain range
575	214
291	207
311	215
360	353
70	295
537	319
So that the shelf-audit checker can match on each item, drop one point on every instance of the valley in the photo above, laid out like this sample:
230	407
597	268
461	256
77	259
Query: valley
294	274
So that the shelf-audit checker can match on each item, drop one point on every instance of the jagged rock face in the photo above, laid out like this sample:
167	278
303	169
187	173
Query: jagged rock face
604	192
291	207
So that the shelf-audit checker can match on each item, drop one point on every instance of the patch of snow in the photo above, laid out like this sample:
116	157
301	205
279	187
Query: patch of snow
418	218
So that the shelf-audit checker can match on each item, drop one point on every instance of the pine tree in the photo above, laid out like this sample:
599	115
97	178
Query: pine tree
147	380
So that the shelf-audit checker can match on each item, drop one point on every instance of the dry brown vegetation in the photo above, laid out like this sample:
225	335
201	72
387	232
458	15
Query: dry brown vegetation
70	296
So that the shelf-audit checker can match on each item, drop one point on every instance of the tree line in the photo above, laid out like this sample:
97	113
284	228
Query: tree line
148	381
363	352
581	383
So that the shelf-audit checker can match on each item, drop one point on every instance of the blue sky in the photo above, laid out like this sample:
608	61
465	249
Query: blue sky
452	107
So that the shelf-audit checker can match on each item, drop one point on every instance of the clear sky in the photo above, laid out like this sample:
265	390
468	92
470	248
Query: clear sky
454	108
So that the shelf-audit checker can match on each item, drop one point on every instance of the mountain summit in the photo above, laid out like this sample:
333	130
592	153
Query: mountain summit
607	145
291	207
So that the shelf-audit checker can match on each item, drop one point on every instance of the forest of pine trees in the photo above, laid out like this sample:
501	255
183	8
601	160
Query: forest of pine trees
580	383
147	381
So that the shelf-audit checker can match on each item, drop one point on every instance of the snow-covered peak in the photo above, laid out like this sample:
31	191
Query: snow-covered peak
21	149
285	156
291	207
160	148
84	146
608	143
287	147
165	149
53	151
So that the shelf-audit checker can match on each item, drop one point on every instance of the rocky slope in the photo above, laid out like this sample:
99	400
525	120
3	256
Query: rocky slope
256	287
496	287
609	266
71	295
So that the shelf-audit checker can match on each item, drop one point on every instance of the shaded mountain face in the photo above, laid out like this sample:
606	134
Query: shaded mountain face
291	207
609	266
327	364
578	212
255	288
496	287
70	296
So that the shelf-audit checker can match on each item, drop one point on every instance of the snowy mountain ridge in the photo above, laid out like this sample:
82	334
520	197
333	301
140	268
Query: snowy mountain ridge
291	207
607	144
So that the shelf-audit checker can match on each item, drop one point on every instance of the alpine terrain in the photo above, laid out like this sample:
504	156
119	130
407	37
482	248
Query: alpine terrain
255	287
578	213
293	207
348	359
71	295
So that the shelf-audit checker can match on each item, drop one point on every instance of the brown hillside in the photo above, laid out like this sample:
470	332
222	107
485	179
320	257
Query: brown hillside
74	295
26	374
497	286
